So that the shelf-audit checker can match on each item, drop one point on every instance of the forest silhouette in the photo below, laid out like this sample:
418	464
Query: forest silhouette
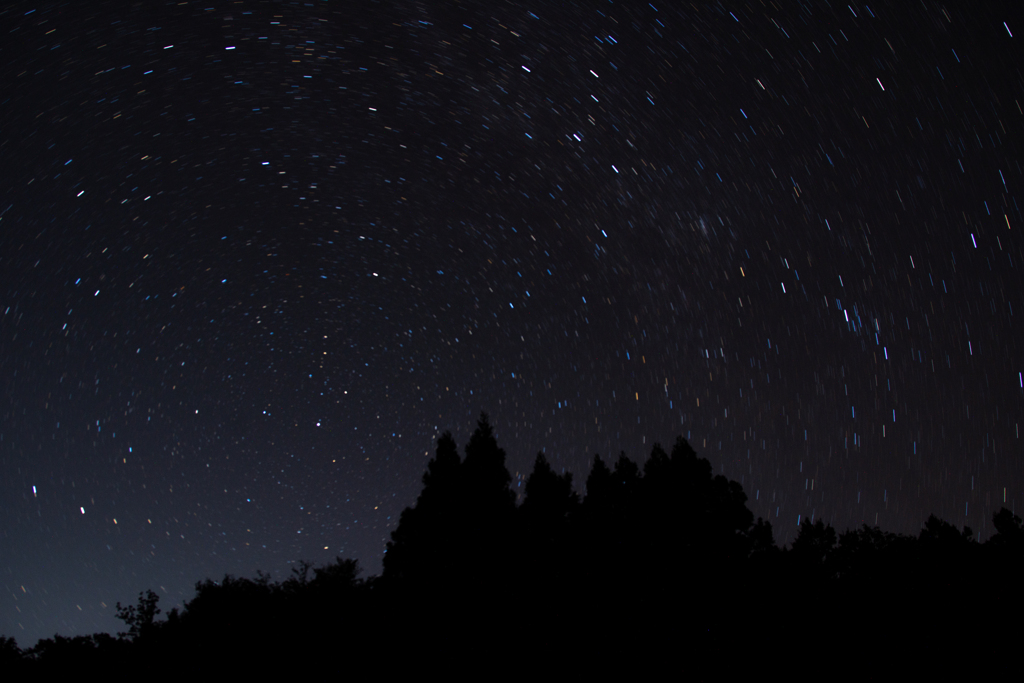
661	568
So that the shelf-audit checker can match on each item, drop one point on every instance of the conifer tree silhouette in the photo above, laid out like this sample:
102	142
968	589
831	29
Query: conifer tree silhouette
487	480
488	510
458	534
545	523
426	545
550	499
600	483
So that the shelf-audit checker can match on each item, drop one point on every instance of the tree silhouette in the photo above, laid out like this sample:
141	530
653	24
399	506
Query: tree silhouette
550	499
668	561
1009	530
600	483
487	480
11	659
341	575
487	515
71	655
814	543
762	540
544	520
458	534
812	551
1005	555
697	521
141	618
938	532
627	475
429	541
607	513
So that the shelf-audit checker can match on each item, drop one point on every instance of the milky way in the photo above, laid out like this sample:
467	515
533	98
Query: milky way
257	256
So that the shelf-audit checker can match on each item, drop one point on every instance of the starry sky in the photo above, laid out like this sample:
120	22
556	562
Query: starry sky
256	256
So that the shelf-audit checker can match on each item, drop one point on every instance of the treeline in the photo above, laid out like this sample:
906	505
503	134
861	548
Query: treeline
652	566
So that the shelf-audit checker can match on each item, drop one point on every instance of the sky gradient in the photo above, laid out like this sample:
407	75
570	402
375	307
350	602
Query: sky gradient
256	256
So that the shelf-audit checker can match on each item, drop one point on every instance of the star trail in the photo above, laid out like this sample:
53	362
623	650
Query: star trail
257	256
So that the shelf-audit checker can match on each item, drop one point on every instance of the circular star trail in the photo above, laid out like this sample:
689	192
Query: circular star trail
257	256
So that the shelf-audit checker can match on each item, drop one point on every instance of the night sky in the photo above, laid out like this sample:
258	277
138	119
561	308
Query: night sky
256	256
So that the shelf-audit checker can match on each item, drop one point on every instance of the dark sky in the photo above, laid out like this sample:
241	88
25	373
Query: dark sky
256	256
